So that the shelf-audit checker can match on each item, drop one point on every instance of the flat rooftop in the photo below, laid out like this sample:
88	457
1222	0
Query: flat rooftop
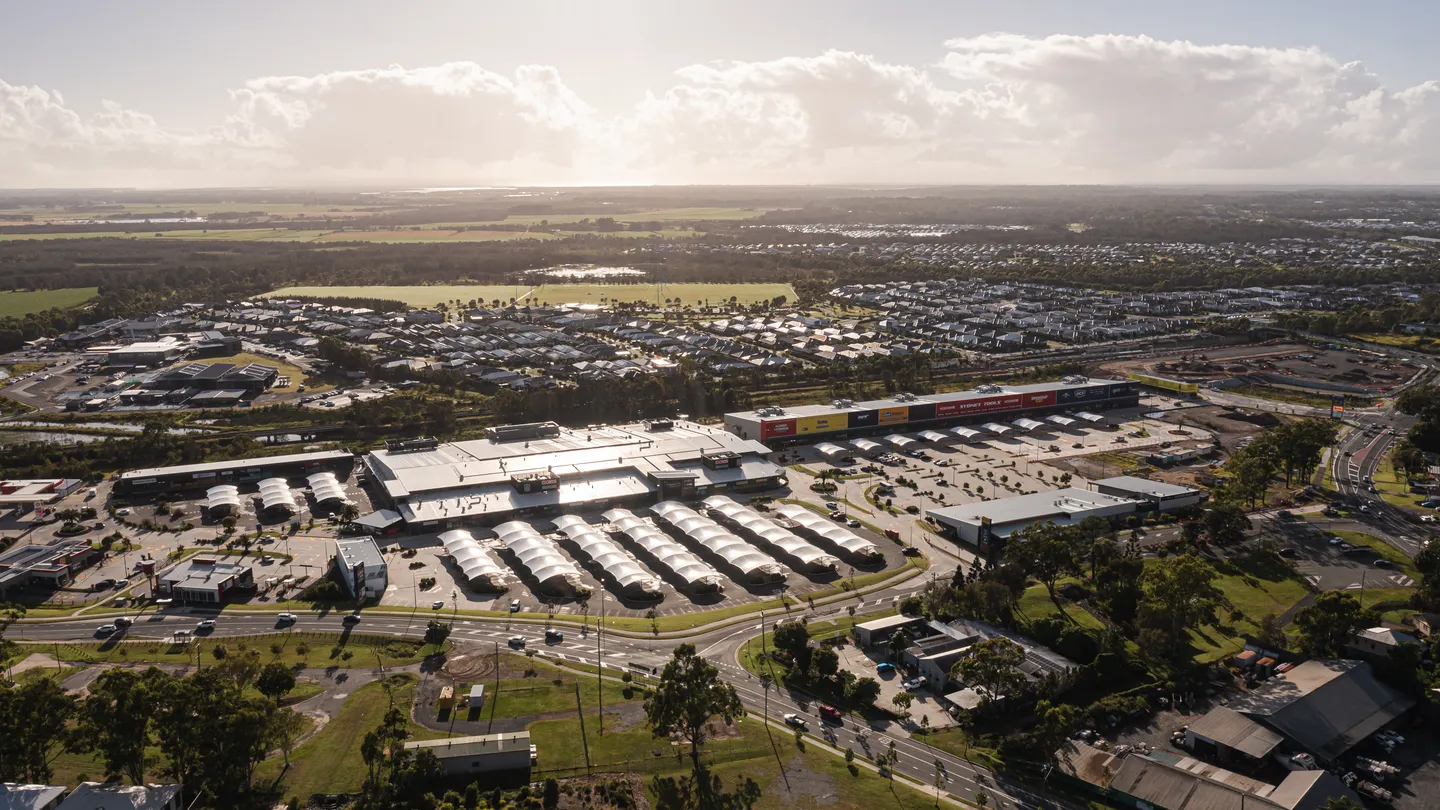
1058	504
1144	486
321	456
360	550
955	396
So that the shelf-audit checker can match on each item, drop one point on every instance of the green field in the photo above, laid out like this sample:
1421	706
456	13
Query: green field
14	304
549	293
57	214
426	235
686	293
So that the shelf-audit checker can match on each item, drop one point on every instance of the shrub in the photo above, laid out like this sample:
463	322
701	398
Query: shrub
218	652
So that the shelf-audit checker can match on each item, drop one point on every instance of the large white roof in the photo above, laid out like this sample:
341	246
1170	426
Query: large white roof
326	487
275	492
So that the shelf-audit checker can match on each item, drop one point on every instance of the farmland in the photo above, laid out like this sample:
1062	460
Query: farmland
548	293
417	235
16	304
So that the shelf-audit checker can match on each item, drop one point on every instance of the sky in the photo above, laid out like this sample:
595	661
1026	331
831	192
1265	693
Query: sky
363	94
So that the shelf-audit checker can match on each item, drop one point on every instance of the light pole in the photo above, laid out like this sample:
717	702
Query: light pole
600	660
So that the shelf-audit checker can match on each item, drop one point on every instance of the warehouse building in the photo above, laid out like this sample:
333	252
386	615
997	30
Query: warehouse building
252	378
908	412
976	523
483	753
543	470
153	353
1155	496
185	477
1326	707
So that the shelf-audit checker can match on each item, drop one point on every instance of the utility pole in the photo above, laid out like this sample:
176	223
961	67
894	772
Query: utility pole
600	661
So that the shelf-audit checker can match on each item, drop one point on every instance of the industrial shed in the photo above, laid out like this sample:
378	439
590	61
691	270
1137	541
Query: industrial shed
620	568
540	558
753	566
693	574
802	555
276	497
222	501
840	537
474	561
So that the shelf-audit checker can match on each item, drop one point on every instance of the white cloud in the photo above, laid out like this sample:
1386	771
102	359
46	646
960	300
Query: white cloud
994	108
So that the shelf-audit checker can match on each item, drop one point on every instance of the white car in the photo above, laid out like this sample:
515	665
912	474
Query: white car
912	684
517	641
514	605
285	618
1428	518
1335	541
122	512
105	629
205	624
437	605
794	720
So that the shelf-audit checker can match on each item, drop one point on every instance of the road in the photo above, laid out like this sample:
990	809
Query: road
1353	463
640	656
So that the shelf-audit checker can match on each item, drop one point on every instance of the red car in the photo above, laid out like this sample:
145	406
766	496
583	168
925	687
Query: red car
829	713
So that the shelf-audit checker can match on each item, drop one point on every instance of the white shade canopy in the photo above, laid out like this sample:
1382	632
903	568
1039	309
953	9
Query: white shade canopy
538	554
326	488
837	536
622	569
275	494
225	497
734	551
474	561
772	535
689	569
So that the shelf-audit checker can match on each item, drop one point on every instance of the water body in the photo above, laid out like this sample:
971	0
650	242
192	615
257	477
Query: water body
10	438
115	427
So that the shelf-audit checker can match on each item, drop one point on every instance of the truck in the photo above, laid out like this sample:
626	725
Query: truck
1373	791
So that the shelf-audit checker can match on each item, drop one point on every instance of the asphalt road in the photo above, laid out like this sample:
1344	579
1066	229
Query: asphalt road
640	656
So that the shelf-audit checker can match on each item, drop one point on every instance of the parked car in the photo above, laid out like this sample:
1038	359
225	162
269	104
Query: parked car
514	605
911	684
885	668
436	605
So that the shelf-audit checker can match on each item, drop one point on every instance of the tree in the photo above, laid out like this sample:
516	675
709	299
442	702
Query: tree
688	695
864	690
1340	803
1326	626
286	727
1427	563
275	679
1271	632
792	638
902	702
825	662
242	668
1117	588
115	720
1048	552
1191	532
1057	720
34	716
1226	524
550	794
1178	593
899	643
991	667
436	632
